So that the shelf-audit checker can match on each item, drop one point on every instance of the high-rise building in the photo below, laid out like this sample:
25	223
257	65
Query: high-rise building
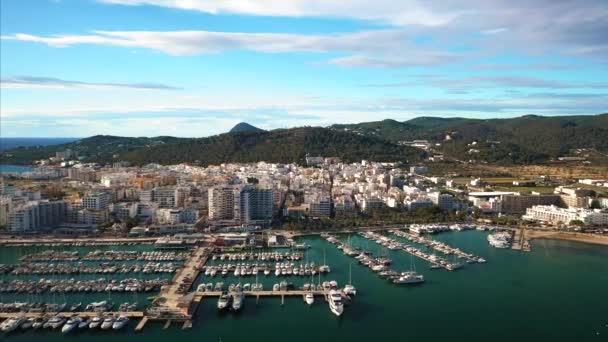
96	201
443	201
256	205
225	203
25	218
52	213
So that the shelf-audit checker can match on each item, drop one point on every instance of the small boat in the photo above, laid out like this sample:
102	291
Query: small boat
84	323
120	322
223	301
28	323
71	324
96	322
39	322
237	300
309	298
107	322
55	322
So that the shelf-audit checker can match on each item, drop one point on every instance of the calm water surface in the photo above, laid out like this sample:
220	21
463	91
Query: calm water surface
557	292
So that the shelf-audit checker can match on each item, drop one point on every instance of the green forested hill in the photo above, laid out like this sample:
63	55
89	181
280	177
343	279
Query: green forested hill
525	139
283	145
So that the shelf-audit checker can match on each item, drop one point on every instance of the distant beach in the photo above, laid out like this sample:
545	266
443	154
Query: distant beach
578	237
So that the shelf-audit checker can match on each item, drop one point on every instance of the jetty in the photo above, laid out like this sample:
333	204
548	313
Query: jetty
89	314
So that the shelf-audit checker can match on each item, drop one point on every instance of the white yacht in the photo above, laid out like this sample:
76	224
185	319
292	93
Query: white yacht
120	322
409	278
11	324
335	302
237	300
39	322
309	298
71	324
55	322
96	322
500	240
107	322
223	301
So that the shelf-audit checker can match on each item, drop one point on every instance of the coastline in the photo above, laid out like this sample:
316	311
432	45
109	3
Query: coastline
567	236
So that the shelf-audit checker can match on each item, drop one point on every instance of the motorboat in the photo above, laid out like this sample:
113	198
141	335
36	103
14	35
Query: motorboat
71	324
96	322
107	322
309	298
223	301
237	300
120	322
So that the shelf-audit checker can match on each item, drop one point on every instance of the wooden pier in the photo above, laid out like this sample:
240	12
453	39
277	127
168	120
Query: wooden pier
258	294
89	314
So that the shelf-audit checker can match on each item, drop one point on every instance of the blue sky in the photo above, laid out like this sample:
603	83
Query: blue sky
196	68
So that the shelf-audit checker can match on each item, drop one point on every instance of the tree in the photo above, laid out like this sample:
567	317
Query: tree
595	204
578	223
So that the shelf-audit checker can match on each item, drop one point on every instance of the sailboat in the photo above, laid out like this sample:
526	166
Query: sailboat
324	268
349	289
410	277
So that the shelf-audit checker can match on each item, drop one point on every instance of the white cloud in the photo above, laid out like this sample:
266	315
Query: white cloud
375	48
403	12
28	82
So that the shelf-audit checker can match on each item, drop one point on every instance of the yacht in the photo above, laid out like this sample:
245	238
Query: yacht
11	324
500	240
71	324
85	323
309	298
55	322
120	322
39	322
96	322
409	278
28	323
335	302
237	300
223	301
107	322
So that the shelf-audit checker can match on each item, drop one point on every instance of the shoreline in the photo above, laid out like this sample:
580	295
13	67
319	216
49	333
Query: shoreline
593	239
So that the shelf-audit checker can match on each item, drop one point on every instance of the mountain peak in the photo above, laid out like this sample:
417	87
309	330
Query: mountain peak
245	127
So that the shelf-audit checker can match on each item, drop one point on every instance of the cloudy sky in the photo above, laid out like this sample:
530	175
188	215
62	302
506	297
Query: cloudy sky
72	68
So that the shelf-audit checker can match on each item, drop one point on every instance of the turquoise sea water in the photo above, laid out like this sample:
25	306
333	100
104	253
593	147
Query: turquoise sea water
7	168
557	292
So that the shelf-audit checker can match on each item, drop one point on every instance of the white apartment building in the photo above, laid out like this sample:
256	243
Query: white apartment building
96	201
554	215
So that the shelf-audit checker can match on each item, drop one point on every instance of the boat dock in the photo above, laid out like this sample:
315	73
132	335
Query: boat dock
131	314
439	246
521	241
175	303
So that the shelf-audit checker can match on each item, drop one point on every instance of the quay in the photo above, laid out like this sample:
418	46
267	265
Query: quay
89	314
521	240
175	303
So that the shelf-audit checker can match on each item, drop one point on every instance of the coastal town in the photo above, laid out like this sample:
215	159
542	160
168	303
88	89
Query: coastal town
246	225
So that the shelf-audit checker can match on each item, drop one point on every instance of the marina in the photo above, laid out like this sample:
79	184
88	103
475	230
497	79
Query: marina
192	299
